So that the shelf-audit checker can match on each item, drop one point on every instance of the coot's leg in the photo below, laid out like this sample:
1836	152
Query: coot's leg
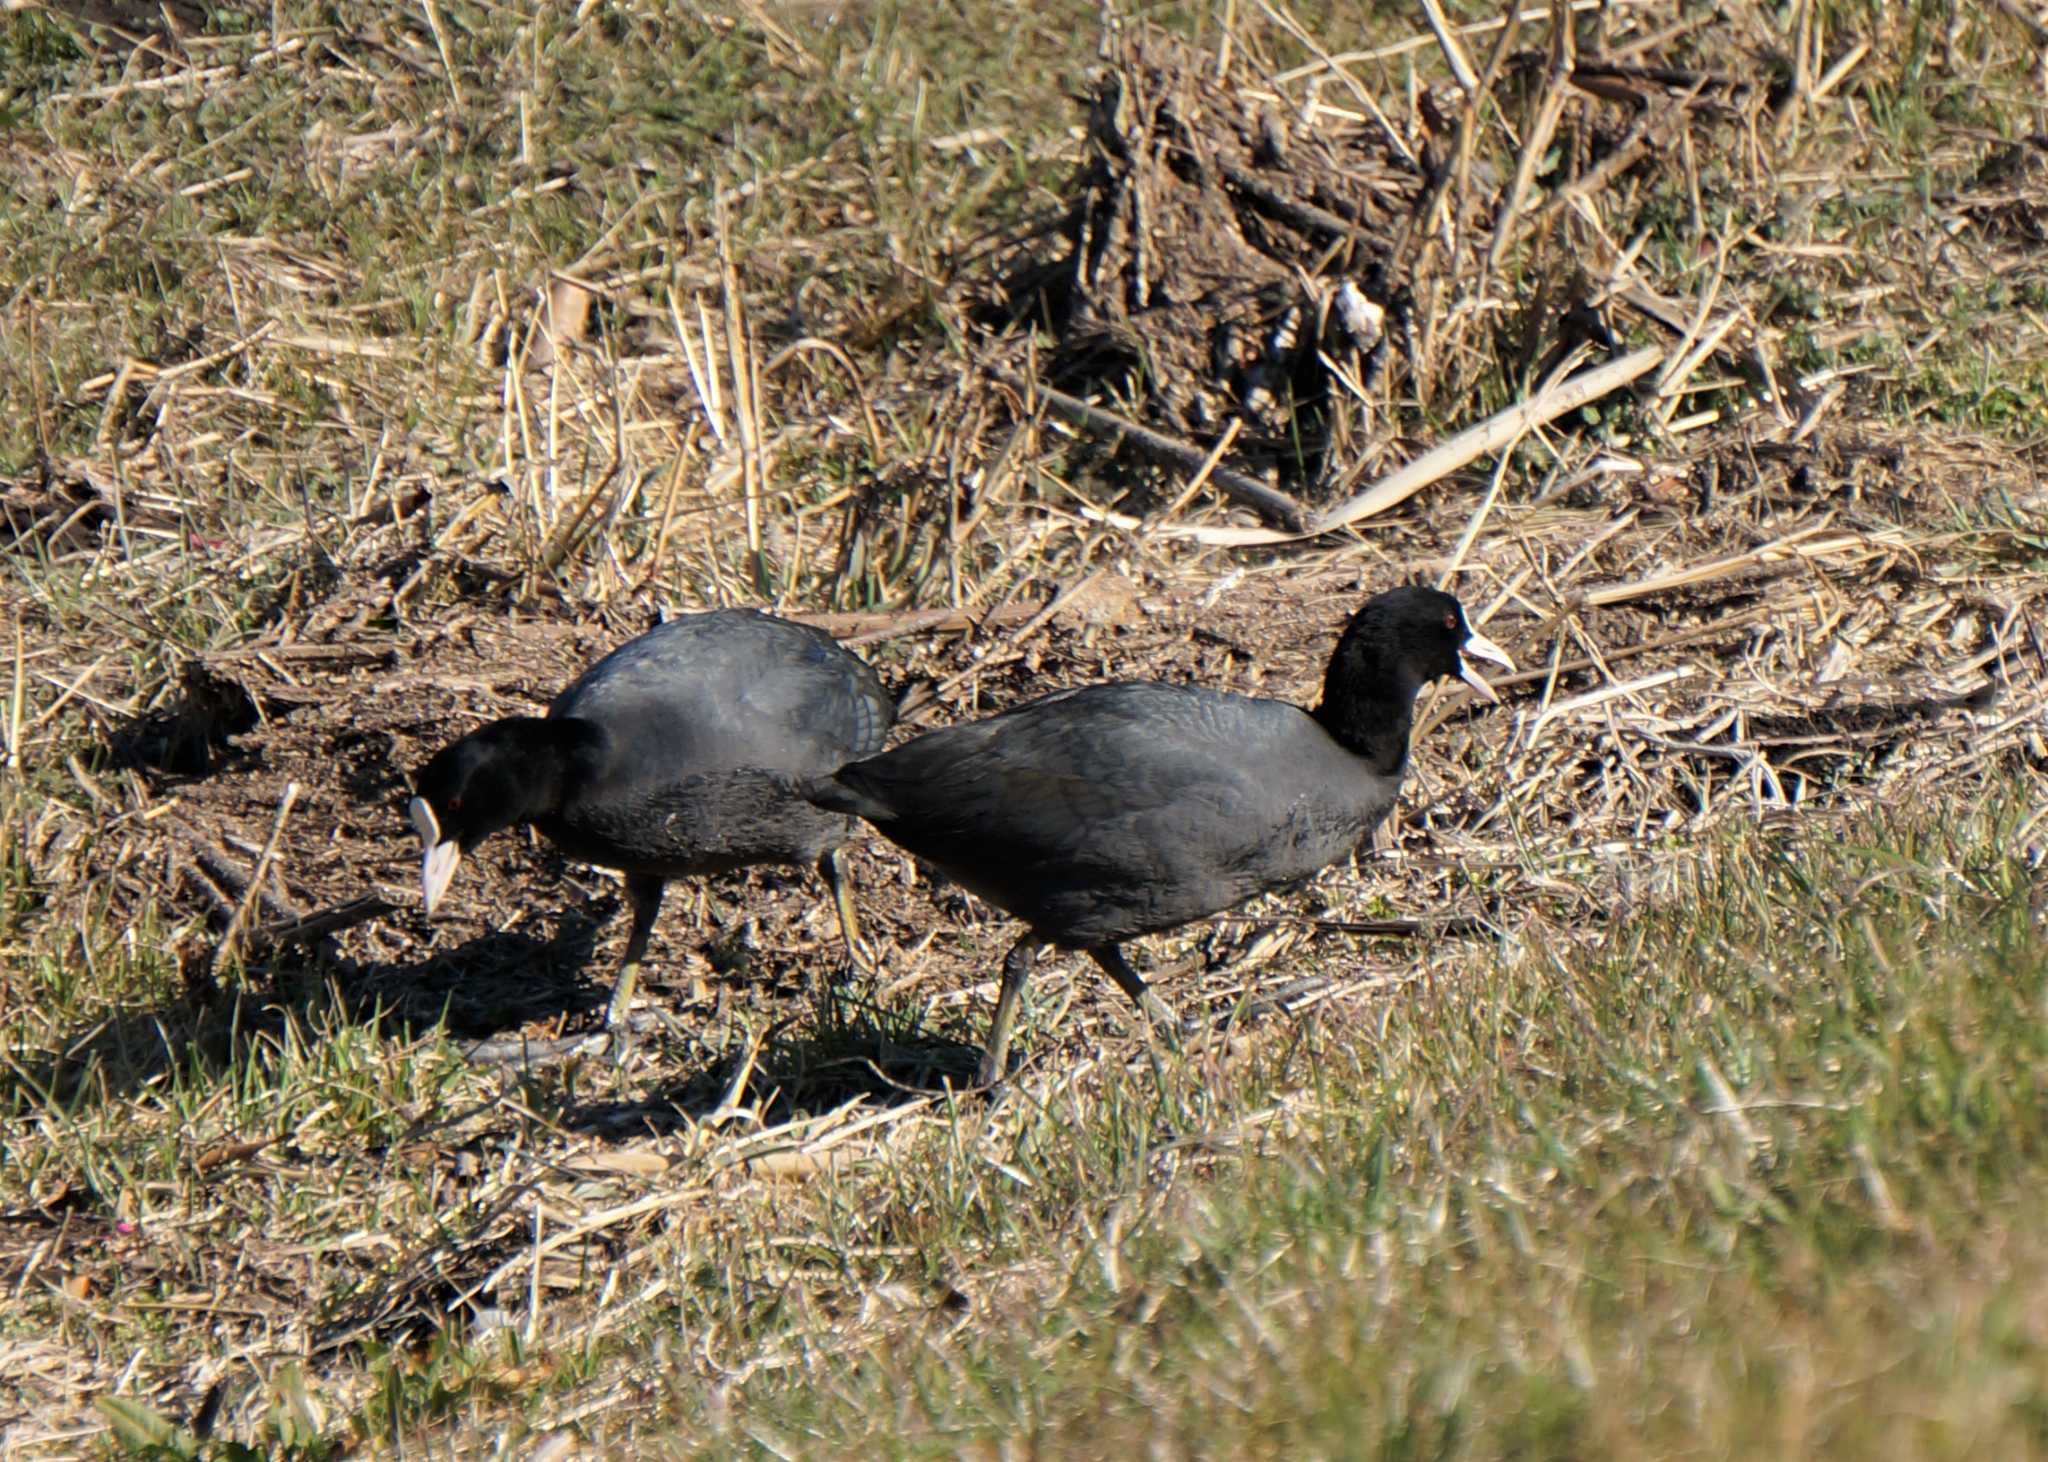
1016	970
832	868
1113	963
644	895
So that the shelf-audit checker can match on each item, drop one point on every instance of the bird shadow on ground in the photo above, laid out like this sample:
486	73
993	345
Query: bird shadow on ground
542	969
839	1047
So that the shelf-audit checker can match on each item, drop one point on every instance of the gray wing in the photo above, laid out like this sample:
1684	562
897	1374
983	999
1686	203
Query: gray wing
734	688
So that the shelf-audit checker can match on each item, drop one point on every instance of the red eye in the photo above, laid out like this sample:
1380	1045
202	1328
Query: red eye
1450	621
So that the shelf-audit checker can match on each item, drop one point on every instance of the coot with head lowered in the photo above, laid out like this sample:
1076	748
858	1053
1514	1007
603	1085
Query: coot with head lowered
671	756
1100	814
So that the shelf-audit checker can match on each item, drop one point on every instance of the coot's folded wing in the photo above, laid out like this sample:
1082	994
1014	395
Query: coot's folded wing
732	688
1106	777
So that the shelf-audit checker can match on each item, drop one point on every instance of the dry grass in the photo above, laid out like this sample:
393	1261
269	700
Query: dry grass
371	372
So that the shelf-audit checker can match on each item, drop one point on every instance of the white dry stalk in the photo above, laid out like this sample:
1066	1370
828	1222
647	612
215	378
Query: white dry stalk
1533	728
1488	436
1479	515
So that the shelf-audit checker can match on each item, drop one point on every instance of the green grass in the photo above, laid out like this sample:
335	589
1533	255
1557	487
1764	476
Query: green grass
1758	1177
1756	1173
344	189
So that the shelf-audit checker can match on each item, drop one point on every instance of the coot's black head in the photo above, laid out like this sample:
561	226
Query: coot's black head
1397	643
506	773
1401	640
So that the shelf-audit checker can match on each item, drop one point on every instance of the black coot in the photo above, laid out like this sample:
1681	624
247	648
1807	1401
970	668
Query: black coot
671	756
1100	814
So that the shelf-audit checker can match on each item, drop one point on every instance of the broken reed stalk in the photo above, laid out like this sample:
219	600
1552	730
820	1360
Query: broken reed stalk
1496	433
1454	54
1535	147
1479	516
566	537
14	761
231	941
1281	17
1648	131
1203	473
1799	545
1534	15
1491	435
739	353
811	345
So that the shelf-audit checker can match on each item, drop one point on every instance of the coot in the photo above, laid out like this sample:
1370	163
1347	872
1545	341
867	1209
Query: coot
671	756
1100	814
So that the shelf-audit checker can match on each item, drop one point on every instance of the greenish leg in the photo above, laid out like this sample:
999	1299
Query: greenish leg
644	895
1016	970
832	868
1132	984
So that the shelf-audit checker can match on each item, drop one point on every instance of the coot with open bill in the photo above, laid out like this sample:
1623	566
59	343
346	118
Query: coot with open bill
1100	814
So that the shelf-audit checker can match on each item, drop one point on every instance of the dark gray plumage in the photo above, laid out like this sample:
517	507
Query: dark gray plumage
672	756
1101	814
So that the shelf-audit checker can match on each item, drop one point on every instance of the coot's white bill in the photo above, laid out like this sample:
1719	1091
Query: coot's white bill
438	860
1485	649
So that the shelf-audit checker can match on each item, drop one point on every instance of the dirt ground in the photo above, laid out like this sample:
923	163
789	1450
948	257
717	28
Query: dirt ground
1796	632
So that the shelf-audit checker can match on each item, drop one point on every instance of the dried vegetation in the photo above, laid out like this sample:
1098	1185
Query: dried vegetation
306	474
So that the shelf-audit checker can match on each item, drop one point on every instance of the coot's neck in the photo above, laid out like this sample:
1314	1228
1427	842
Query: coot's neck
1368	705
542	759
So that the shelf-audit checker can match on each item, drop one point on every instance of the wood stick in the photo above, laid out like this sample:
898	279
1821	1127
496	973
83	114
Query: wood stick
1489	436
1213	537
1535	14
1549	112
1792	545
1461	65
327	921
866	627
1270	503
236	925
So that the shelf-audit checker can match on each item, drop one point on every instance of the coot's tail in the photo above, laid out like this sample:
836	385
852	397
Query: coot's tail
841	792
